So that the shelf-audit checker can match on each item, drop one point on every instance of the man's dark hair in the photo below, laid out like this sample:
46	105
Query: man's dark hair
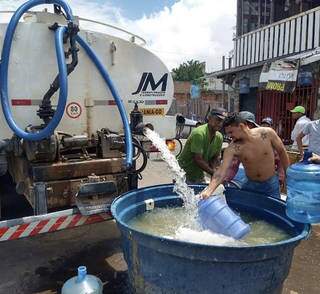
233	120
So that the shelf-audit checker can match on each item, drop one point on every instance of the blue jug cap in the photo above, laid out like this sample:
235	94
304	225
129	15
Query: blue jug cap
82	272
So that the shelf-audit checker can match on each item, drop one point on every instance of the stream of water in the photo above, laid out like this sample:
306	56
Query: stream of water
178	175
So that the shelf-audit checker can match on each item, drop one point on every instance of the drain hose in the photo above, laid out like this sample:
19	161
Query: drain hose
5	56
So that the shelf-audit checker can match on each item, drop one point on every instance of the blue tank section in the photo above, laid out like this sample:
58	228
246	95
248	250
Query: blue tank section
161	265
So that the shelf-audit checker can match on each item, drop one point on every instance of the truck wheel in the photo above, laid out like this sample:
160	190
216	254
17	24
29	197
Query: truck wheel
178	148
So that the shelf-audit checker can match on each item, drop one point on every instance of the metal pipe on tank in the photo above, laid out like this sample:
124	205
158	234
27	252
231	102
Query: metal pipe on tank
75	141
89	104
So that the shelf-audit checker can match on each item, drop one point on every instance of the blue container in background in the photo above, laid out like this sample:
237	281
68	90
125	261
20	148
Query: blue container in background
83	284
303	189
217	216
159	265
305	78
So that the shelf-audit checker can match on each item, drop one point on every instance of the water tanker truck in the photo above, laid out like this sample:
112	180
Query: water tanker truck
67	144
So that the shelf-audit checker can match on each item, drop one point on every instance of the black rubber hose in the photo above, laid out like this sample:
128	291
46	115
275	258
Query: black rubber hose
180	146
144	156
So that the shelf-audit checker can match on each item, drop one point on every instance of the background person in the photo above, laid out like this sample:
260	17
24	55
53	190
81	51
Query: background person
202	150
298	113
267	122
312	129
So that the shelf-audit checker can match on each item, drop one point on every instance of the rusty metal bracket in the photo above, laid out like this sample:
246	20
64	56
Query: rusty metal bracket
40	198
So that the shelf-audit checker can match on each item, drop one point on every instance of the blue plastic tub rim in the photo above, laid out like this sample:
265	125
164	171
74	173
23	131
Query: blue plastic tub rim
302	236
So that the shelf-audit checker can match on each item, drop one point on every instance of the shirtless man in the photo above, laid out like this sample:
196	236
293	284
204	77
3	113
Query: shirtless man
255	149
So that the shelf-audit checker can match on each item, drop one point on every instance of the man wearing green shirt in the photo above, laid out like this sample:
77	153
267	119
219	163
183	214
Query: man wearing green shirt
202	149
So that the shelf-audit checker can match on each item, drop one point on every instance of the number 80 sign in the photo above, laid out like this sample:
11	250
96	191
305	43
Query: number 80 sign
73	110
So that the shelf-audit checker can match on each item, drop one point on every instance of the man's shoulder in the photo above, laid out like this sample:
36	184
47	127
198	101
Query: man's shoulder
262	130
199	130
219	135
303	120
197	133
315	124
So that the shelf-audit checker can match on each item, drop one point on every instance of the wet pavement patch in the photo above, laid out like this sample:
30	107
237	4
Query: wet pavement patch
103	259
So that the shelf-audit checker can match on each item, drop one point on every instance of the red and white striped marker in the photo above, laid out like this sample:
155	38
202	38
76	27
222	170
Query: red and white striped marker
36	227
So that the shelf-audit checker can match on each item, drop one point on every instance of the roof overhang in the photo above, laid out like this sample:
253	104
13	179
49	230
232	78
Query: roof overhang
306	58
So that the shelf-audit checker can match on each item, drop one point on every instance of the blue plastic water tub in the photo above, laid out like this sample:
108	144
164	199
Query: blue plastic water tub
160	265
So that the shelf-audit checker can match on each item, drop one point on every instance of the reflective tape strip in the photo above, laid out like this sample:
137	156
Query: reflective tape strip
3	230
150	102
65	223
161	102
25	102
47	227
29	229
20	229
57	224
75	220
8	233
38	228
156	102
81	221
104	102
50	225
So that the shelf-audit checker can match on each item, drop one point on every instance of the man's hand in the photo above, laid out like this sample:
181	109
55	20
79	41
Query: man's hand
204	165
206	193
314	159
219	176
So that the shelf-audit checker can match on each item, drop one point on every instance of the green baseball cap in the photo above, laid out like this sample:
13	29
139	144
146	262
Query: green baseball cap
298	109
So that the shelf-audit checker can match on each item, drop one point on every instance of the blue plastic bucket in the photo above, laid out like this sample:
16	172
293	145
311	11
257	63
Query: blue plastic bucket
217	216
166	266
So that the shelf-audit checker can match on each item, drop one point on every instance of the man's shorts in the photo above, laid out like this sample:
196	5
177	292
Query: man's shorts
269	187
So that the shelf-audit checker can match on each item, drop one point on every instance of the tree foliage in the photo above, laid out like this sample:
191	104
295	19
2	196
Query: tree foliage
191	71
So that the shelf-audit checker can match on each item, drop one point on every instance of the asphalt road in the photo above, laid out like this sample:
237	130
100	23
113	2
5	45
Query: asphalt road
41	264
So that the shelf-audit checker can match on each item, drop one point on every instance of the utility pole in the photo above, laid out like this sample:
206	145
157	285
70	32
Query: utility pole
224	83
265	13
242	8
259	14
272	4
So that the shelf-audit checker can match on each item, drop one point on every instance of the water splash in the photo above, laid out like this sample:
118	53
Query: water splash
205	237
180	187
